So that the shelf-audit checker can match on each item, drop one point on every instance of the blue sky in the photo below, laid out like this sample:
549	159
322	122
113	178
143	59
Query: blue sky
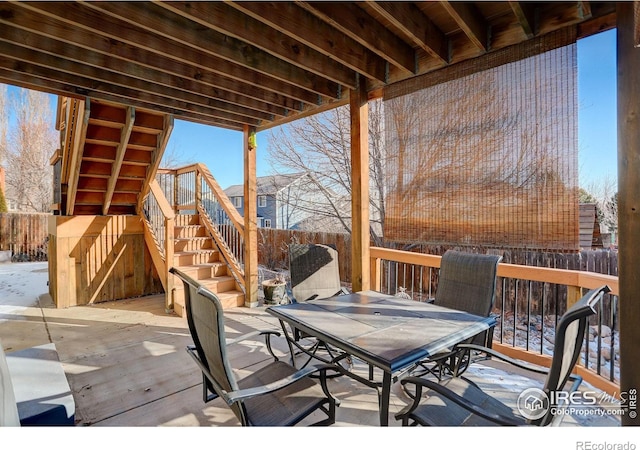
221	150
597	110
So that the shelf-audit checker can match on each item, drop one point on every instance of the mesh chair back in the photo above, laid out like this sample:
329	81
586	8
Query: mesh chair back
467	282
314	271
570	333
205	319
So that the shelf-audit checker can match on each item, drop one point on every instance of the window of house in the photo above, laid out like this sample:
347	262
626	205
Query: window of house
237	202
267	223
260	222
262	201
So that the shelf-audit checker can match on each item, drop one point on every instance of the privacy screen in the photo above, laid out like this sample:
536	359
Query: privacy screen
487	159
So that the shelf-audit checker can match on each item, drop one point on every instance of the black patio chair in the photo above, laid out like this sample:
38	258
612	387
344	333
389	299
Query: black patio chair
315	273
275	395
456	401
467	282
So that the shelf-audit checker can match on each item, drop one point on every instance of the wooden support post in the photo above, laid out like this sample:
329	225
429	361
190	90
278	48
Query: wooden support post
360	234
250	218
629	200
168	257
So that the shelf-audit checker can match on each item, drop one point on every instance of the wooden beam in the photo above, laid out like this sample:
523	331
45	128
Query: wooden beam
225	19
360	234
416	26
162	25
525	14
317	34
80	26
63	61
75	160
144	77
470	22
125	133
250	218
628	70
358	25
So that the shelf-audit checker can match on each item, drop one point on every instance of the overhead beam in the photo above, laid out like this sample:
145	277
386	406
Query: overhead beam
125	134
470	22
317	34
30	80
525	14
415	25
224	19
74	60
361	27
84	77
165	25
88	28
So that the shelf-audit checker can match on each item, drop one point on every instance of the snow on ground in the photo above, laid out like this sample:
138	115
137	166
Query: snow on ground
22	285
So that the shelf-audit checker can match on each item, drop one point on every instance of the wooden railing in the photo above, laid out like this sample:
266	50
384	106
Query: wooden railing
222	220
158	221
521	290
192	190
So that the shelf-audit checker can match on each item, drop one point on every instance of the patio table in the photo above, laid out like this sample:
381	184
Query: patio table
386	332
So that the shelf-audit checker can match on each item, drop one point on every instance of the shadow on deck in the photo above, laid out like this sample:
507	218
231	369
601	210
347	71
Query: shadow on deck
126	365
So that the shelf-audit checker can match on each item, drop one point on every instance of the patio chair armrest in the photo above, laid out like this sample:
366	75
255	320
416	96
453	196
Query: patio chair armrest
488	351
267	338
461	401
244	394
266	333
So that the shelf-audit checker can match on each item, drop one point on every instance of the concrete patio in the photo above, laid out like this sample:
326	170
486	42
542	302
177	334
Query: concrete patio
126	365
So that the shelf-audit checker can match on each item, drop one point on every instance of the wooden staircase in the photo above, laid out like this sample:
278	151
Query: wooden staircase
110	153
196	254
107	165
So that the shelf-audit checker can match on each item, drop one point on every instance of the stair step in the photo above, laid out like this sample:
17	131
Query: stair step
187	231
217	285
189	258
206	270
229	299
193	244
187	219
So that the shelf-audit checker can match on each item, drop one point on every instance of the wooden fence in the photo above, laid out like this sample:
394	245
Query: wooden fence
25	235
273	245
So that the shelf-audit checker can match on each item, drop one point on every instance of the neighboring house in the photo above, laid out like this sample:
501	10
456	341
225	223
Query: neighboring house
284	201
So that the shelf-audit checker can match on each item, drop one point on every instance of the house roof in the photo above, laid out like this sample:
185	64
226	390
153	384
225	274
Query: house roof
267	185
236	64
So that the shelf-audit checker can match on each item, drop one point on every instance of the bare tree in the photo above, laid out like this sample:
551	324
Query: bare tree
173	158
320	145
603	192
31	140
4	123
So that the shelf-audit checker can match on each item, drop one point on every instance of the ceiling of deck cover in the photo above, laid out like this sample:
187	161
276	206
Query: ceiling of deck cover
230	64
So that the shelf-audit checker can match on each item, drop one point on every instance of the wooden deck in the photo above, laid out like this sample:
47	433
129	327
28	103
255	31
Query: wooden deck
126	364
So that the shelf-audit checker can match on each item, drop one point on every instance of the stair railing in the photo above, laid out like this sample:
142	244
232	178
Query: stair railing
222	220
158	222
193	190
